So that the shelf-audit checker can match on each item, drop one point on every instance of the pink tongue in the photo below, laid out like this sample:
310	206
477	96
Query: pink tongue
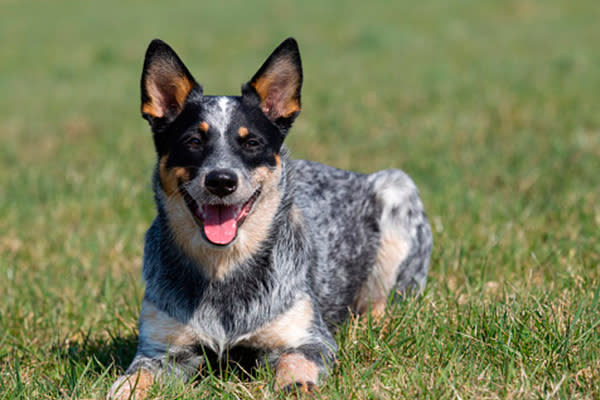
220	224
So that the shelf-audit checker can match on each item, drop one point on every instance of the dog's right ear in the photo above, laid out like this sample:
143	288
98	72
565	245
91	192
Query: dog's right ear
166	84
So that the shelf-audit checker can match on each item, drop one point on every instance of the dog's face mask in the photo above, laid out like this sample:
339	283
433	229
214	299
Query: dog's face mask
219	159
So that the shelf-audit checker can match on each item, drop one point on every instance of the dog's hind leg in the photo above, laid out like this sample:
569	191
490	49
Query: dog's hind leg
405	242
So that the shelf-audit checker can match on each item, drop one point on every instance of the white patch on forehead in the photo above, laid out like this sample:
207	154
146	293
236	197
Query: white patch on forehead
219	115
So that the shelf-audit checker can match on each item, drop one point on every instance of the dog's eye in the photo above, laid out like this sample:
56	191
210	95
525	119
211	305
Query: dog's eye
194	142
251	144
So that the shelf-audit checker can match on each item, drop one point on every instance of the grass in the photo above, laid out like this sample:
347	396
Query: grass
491	107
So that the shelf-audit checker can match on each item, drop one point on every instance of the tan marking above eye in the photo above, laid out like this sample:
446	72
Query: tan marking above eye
204	127
243	131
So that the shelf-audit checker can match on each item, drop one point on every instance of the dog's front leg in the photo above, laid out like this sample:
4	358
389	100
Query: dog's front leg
298	345
144	371
137	381
303	368
167	349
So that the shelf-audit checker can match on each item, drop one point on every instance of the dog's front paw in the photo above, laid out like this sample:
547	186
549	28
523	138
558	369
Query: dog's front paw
135	386
296	374
300	387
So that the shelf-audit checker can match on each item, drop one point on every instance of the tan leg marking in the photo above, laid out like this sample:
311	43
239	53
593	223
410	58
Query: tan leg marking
135	386
393	249
290	329
156	326
295	368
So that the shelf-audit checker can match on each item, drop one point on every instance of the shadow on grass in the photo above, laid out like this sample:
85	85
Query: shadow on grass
116	351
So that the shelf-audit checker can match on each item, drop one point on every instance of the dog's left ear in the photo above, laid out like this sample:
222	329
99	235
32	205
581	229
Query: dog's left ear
277	84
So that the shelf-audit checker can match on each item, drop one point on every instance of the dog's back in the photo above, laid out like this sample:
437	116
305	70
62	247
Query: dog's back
370	235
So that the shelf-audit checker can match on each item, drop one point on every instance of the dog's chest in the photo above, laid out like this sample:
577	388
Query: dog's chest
288	328
210	330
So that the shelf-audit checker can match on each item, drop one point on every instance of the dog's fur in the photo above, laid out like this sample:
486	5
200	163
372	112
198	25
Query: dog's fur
252	253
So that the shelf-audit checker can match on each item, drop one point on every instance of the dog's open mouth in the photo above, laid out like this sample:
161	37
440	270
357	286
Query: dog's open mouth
220	222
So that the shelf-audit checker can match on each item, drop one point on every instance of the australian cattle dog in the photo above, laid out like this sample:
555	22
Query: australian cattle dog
253	254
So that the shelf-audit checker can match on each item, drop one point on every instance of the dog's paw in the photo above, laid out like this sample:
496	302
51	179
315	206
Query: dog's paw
300	387
296	374
135	386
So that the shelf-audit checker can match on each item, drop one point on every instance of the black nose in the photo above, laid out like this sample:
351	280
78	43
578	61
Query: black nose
221	182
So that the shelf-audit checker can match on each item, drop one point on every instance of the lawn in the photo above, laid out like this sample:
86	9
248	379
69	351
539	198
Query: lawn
491	106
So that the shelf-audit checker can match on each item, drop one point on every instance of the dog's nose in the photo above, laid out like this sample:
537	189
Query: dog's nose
221	182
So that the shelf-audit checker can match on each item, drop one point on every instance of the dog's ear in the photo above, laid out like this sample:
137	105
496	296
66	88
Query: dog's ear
277	84
166	84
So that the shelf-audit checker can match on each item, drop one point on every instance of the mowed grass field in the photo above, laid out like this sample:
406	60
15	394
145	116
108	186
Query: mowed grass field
493	107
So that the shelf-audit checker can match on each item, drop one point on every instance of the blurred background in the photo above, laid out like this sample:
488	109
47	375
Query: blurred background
490	106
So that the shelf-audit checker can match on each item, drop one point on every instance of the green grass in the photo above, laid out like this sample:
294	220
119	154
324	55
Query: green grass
491	107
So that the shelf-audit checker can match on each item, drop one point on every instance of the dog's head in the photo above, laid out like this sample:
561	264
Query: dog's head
219	156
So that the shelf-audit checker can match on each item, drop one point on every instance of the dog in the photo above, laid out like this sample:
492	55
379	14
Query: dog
253	254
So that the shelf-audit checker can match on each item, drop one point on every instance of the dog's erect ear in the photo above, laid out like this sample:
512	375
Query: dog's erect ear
166	83
277	84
